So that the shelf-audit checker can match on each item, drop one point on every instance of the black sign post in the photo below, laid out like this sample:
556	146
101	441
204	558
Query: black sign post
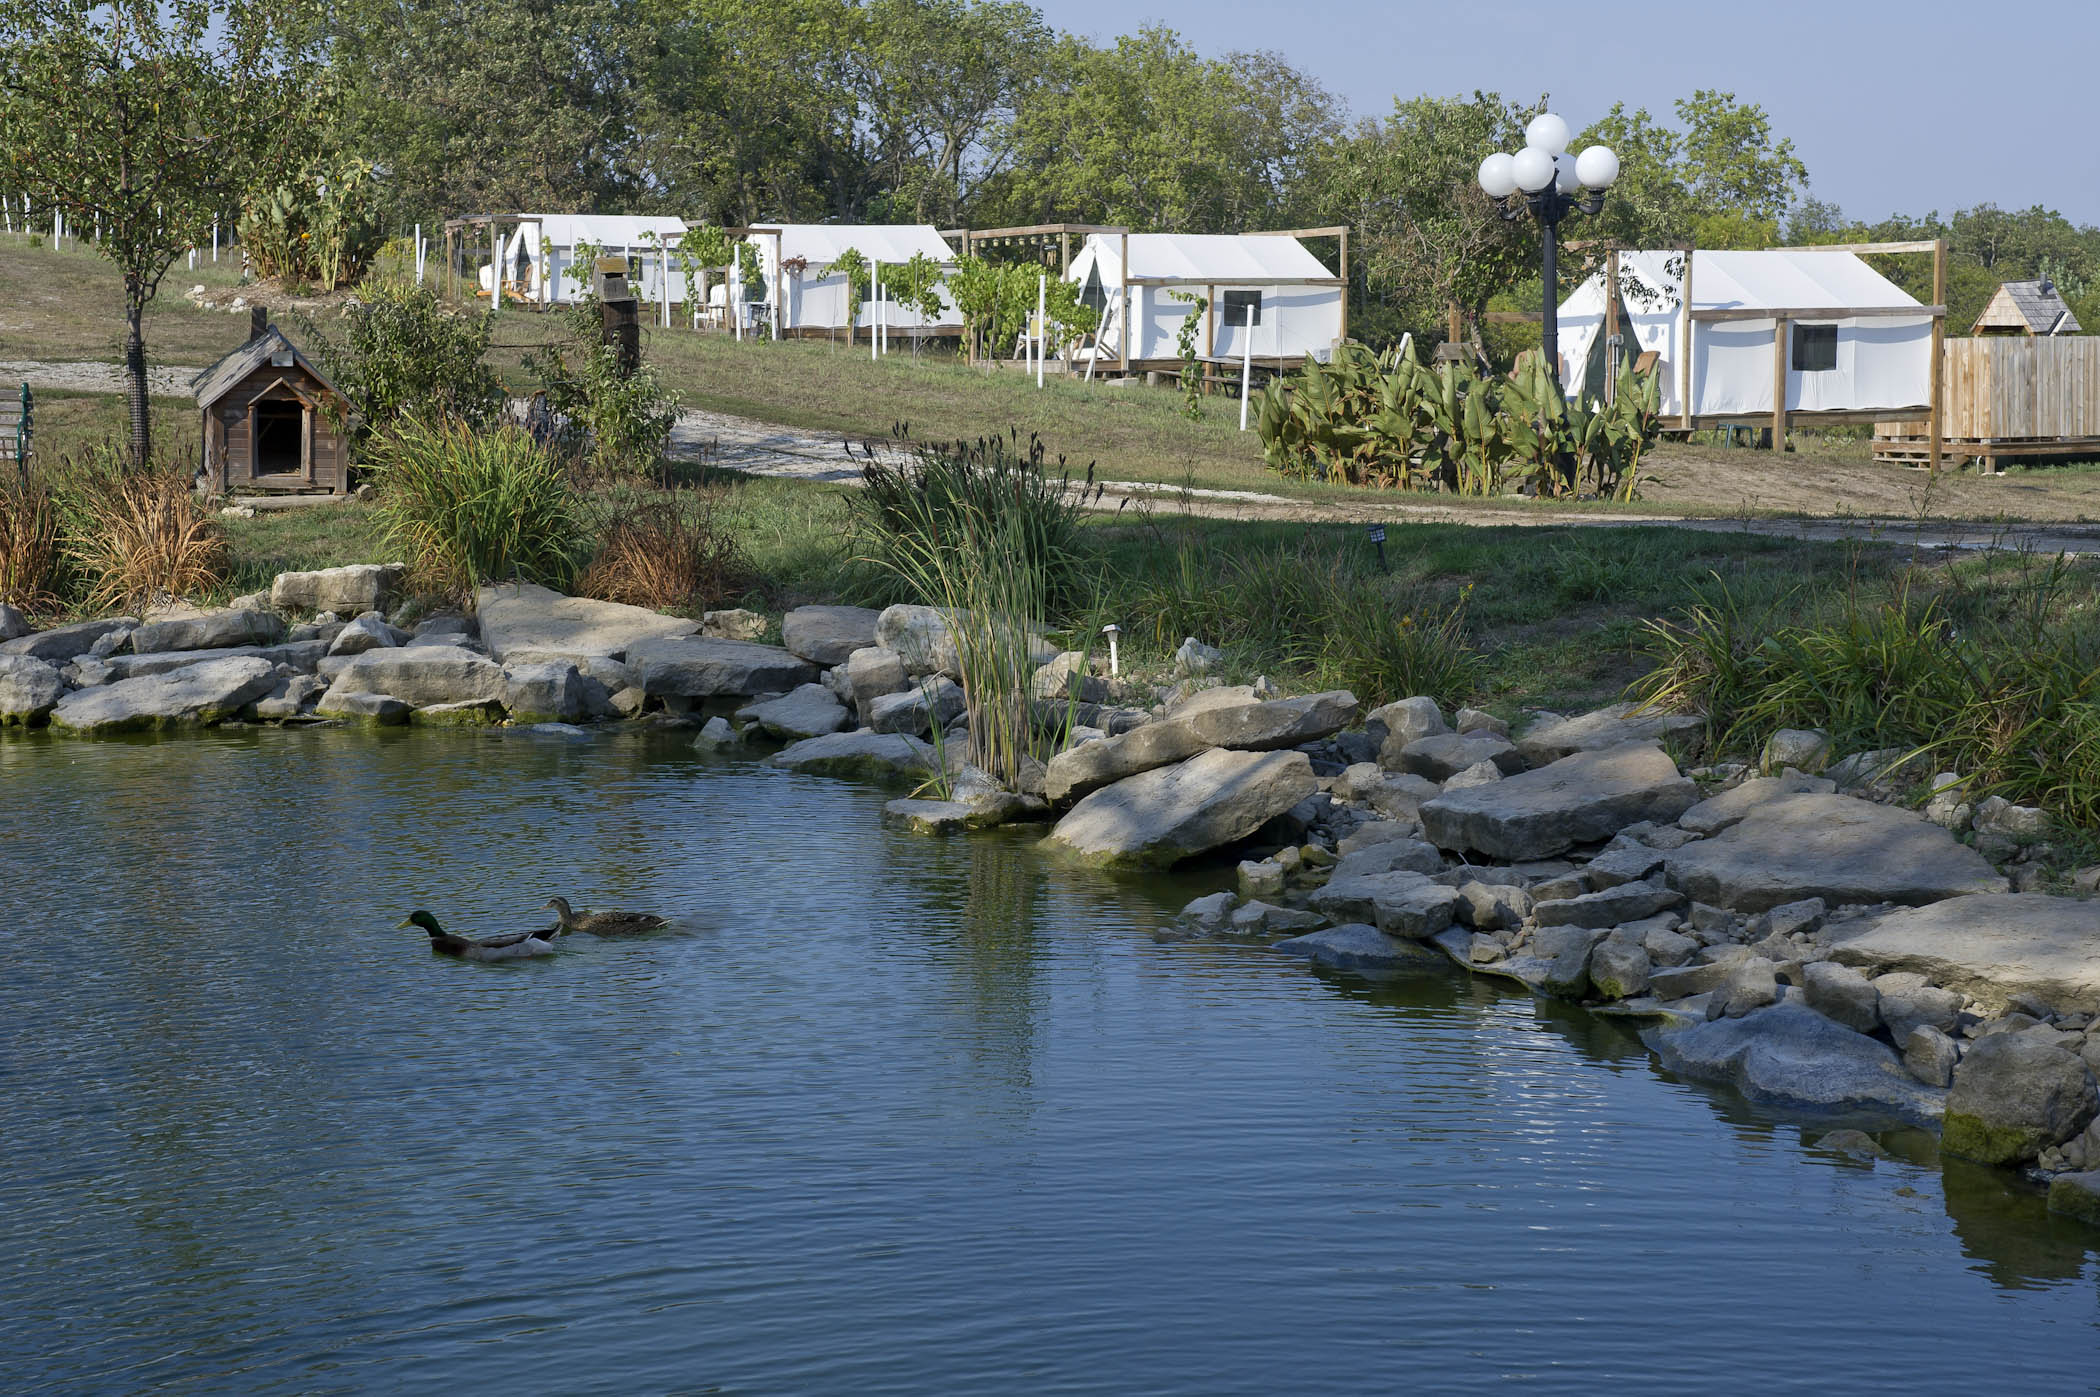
1377	532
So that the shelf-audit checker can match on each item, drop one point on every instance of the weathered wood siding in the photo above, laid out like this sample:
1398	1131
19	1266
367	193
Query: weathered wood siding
230	434
2017	387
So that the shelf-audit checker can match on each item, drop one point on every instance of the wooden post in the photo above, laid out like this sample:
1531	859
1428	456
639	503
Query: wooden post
1684	350
1937	427
1454	322
1124	356
1345	283
1064	253
1779	383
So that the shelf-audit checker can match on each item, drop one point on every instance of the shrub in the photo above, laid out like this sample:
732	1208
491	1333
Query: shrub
402	351
29	541
617	425
467	506
667	550
133	535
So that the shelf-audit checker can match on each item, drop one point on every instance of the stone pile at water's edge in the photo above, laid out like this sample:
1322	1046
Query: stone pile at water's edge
1160	817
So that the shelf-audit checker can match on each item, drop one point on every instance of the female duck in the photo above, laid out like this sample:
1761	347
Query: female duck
603	923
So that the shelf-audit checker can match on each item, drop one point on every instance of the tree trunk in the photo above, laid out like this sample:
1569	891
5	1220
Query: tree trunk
135	375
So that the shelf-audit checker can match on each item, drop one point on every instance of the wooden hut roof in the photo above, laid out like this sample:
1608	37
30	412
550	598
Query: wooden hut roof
2035	306
215	382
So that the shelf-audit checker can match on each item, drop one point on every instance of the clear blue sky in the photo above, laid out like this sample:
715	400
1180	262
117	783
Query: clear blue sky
1894	105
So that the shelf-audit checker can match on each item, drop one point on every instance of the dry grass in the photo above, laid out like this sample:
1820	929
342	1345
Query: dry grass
136	535
667	550
29	550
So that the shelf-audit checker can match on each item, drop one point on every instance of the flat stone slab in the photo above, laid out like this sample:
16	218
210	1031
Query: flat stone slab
1267	727
518	618
1076	771
1790	1055
826	635
420	675
1158	818
873	756
194	695
698	667
1990	947
344	590
940	816
1835	847
209	630
62	643
1607	727
1728	808
301	655
383	710
1360	947
1581	799
810	710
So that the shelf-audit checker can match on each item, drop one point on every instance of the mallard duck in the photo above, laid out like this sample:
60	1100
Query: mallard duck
603	923
516	946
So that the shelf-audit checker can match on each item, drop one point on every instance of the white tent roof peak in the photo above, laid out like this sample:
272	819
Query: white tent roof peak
1782	278
821	243
1216	257
607	230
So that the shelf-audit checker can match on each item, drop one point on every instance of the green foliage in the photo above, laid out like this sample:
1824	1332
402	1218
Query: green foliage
916	285
1191	377
704	247
404	352
319	225
619	425
465	506
852	264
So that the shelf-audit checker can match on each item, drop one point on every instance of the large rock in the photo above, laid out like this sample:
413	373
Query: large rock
826	635
545	691
921	637
367	632
378	710
423	674
1842	993
345	590
1582	799
698	667
1607	727
870	672
519	619
208	630
62	643
1076	771
1729	807
1359	947
2014	1097
1266	727
936	699
29	690
1399	903
1991	948
1835	847
1402	723
1161	817
1444	755
1619	968
1393	794
13	624
1625	902
809	710
1789	1054
1564	955
1390	856
196	694
873	756
301	655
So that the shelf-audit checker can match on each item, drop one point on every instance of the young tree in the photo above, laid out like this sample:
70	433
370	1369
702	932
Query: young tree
146	120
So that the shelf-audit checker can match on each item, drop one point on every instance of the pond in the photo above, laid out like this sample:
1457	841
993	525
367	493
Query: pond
878	1114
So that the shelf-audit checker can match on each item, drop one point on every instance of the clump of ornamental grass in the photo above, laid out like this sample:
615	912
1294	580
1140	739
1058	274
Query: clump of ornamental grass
669	549
133	534
30	559
466	506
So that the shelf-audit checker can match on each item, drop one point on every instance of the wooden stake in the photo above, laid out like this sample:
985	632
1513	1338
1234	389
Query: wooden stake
1937	429
1779	384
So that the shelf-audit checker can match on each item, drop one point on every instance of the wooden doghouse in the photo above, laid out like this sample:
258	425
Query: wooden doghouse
272	421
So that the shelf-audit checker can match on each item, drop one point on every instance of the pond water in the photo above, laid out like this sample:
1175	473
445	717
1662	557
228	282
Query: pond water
880	1114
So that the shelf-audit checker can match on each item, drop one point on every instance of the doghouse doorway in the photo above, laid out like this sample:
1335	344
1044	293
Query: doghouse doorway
280	436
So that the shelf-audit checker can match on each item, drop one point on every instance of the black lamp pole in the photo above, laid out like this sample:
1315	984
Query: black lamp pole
1549	206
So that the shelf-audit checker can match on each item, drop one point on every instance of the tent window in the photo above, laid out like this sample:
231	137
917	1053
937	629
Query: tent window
1815	348
1236	305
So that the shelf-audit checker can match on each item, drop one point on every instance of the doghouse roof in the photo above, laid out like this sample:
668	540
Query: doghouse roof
215	382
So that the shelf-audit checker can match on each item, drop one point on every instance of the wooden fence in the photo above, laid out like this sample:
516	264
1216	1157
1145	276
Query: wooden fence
2010	396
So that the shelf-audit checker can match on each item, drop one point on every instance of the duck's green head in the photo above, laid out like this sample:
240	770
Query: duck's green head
424	920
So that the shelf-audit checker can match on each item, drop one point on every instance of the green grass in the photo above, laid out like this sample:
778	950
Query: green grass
69	304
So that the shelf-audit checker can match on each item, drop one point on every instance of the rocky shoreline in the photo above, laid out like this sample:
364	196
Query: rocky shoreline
1792	930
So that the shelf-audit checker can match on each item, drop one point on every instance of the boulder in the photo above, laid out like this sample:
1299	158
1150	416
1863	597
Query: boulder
1444	755
380	710
346	591
1906	1001
1194	657
1790	1055
1930	1055
1390	856
208	630
1664	946
196	694
921	637
1803	749
1839	992
1076	771
715	734
1065	678
1359	947
1266	919
13	624
1160	817
1403	723
367	632
1564	953
734	623
937	699
1472	720
1581	799
62	643
873	756
29	690
1215	697
939	816
1376	832
423	674
1729	807
701	667
2076	1195
291	697
301	655
1752	983
1267	727
1260	877
1607	727
474	713
1209	913
1396	795
868	674
808	710
1838	848
1992	948
1478	774
826	635
1627	863
544	692
1627	902
521	621
2013	1097
1997	815
1492	906
1700	977
1619	968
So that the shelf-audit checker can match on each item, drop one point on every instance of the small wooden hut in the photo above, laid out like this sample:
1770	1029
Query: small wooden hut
272	421
2027	308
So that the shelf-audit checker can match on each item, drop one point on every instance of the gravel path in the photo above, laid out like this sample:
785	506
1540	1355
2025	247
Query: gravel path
162	380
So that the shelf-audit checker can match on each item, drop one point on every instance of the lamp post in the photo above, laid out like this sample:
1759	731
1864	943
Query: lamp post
1553	184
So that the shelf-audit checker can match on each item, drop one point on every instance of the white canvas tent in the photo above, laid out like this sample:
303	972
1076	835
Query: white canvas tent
1299	305
814	298
538	253
1856	342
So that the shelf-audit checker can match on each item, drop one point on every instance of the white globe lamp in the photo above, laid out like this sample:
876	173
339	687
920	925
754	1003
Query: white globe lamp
1498	176
1597	167
1564	174
1547	132
1533	169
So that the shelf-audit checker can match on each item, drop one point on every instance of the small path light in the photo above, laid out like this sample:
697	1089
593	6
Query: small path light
1115	660
1377	533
